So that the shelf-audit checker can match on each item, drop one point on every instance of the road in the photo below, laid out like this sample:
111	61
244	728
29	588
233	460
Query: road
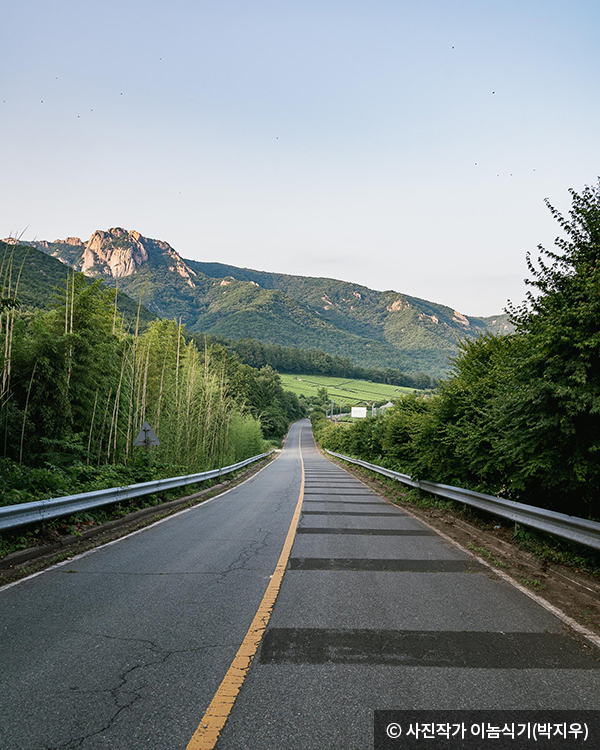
125	647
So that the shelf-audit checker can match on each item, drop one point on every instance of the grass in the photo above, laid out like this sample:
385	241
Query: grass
485	552
343	390
533	583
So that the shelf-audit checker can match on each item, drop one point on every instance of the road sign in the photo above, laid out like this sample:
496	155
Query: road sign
146	436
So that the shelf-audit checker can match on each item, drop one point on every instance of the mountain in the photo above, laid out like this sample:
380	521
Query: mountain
382	329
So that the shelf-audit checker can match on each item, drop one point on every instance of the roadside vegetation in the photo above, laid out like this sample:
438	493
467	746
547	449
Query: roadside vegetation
77	381
519	416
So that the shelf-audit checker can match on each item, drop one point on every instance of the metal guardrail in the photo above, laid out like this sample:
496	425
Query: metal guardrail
575	529
12	516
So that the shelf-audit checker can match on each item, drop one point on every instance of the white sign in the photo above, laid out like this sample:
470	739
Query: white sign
358	412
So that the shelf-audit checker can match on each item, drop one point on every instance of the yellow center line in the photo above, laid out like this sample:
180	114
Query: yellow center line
213	721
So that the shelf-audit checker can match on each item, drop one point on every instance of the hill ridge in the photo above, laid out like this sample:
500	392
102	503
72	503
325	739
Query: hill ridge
372	328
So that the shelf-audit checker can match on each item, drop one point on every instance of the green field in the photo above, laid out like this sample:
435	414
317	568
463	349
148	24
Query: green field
343	391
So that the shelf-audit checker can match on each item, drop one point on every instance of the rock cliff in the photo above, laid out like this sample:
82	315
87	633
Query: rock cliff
115	253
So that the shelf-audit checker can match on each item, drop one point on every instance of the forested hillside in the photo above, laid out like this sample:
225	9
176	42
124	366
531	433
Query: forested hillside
519	416
39	278
373	329
423	334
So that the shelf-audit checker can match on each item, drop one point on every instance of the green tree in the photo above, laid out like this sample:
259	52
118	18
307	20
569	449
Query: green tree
67	362
519	416
322	395
553	413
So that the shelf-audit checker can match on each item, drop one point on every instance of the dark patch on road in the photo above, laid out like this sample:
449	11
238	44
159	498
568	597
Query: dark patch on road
413	648
354	502
362	493
394	514
368	532
384	565
335	489
326	481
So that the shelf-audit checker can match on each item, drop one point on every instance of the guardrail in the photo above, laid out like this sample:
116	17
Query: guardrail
575	529
12	516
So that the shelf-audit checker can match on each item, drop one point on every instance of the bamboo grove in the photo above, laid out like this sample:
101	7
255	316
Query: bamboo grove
77	384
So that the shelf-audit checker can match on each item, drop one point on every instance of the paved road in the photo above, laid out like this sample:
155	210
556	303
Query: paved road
124	648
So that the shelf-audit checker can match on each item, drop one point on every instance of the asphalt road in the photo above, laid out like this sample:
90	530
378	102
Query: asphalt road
126	646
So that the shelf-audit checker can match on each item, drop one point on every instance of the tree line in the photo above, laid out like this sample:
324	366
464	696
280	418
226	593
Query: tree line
519	416
316	362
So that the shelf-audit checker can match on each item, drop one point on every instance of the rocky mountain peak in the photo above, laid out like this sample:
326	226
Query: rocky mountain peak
119	252
115	253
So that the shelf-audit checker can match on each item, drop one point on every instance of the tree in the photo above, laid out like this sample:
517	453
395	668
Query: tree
556	401
520	415
68	360
322	395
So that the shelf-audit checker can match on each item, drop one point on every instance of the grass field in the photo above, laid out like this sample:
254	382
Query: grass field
342	390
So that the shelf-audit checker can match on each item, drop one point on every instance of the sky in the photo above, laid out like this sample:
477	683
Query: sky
400	145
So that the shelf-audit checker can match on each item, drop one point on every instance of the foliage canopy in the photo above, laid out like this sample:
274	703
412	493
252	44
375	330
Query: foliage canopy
519	416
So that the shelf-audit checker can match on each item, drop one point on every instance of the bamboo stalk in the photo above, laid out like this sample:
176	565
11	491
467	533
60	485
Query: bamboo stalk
70	331
25	412
115	418
138	387
103	425
130	417
112	424
10	325
160	392
144	388
115	311
6	252
92	427
72	298
11	317
177	415
20	273
67	304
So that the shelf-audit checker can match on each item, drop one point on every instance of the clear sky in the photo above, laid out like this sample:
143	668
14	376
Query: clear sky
401	145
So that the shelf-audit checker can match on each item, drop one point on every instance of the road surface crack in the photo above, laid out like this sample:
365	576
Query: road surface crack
123	694
252	550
